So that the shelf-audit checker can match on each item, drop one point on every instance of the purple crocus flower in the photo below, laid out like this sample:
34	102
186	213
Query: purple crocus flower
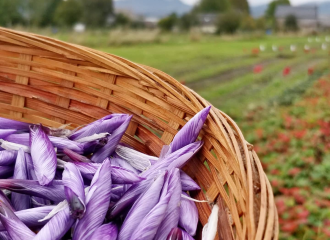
106	231
43	155
141	208
173	160
107	124
7	157
30	217
119	175
190	131
6	132
15	228
148	227
56	227
6	201
113	141
20	201
4	236
75	156
178	234
74	190
187	183
53	192
12	124
97	203
6	171
118	162
188	215
171	218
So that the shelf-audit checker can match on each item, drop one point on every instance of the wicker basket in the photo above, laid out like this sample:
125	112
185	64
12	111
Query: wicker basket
43	80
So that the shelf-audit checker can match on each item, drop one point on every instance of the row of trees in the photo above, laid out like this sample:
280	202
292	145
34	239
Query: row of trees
233	15
43	13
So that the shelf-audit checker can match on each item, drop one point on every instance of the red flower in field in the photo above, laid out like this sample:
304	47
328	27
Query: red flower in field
259	133
255	51
275	172
294	171
287	121
310	71
275	183
303	214
284	138
257	69
280	205
286	71
326	231
290	226
299	134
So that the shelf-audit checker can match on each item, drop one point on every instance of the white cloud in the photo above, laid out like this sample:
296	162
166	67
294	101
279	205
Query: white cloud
257	2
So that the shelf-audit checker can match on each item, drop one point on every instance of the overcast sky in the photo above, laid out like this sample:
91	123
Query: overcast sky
258	2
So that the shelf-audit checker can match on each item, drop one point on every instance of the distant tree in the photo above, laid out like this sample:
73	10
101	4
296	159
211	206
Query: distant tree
47	17
122	20
212	6
241	5
229	22
97	12
68	13
291	23
9	12
167	24
270	12
187	21
261	23
248	23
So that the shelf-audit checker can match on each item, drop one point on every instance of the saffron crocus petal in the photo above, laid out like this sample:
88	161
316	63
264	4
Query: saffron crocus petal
56	227
59	207
106	231
93	137
4	236
190	131
12	124
74	190
138	160
123	176
178	234
6	171
188	216
6	132
94	146
20	201
106	124
171	218
15	228
118	162
148	227
187	183
210	228
6	201
43	155
97	203
75	156
13	146
113	141
31	216
87	170
7	157
53	192
141	208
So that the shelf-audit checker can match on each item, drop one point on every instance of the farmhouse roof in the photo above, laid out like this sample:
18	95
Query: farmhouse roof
302	12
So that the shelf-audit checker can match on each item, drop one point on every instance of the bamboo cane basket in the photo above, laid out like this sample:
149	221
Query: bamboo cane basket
44	80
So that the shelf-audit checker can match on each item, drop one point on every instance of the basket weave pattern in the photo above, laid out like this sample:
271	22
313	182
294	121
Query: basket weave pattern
43	80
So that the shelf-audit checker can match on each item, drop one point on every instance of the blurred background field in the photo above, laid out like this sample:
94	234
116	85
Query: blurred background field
267	70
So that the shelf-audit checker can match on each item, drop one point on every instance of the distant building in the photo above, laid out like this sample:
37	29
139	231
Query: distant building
307	17
208	22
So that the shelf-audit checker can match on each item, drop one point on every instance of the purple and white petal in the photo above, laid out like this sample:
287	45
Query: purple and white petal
75	156
190	131
7	157
15	228
6	171
113	141
93	137
43	155
30	217
141	208
188	216
148	227
13	146
20	201
56	227
53	192
107	124
172	215
6	132
74	190
106	231
12	124
187	183
118	162
178	234
210	228
97	203
5	200
123	176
